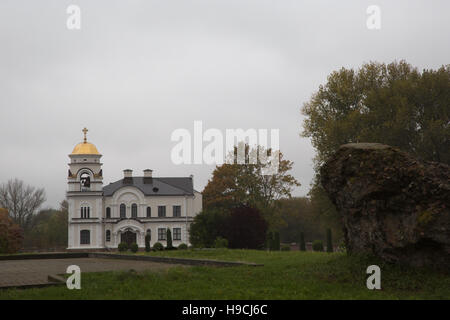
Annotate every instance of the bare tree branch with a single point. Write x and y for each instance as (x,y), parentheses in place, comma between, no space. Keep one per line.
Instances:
(21,201)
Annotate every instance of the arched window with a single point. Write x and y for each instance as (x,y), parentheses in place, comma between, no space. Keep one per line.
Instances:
(134,210)
(108,212)
(85,181)
(123,211)
(108,235)
(149,212)
(85,237)
(85,212)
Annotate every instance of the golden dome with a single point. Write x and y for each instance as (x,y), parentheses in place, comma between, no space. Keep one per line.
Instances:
(85,148)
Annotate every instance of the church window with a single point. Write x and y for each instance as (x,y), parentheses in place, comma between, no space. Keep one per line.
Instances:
(176,233)
(149,212)
(123,209)
(108,212)
(108,235)
(161,211)
(85,212)
(177,211)
(161,233)
(85,237)
(134,210)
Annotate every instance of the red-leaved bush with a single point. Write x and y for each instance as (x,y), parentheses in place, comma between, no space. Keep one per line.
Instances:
(246,229)
(11,234)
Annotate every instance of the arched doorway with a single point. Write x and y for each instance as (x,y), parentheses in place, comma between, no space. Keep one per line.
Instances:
(128,237)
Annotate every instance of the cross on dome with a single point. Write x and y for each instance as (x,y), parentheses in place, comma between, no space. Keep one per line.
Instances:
(85,130)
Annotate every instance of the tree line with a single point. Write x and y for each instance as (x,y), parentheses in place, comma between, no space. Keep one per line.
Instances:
(393,104)
(247,208)
(23,226)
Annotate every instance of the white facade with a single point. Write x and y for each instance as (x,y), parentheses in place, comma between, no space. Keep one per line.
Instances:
(96,220)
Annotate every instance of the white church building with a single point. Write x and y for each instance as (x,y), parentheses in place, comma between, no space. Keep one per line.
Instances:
(100,217)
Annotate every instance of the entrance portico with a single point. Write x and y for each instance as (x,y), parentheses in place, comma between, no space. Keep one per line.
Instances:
(129,231)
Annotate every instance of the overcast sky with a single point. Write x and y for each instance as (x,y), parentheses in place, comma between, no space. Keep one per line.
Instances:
(138,70)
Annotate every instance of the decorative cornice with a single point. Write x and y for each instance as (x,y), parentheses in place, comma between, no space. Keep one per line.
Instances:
(84,193)
(146,220)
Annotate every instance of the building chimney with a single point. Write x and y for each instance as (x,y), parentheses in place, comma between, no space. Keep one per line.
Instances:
(127,173)
(148,173)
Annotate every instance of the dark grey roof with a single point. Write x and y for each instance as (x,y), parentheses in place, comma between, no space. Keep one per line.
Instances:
(153,186)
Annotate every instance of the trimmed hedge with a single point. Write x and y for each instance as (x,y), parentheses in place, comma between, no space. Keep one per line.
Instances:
(123,246)
(147,243)
(169,239)
(134,247)
(302,244)
(317,245)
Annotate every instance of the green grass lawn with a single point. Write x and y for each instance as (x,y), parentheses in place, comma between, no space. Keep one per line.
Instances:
(285,275)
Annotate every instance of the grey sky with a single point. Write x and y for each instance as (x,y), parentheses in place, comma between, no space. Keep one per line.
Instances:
(137,70)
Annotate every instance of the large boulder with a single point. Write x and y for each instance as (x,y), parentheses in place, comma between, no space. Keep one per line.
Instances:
(391,204)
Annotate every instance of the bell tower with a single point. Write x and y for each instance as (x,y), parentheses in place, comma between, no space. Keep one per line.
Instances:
(85,196)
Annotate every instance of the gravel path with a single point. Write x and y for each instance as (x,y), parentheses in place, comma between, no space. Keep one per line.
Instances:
(34,272)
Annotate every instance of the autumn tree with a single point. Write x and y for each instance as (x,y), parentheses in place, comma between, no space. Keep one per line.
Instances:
(394,104)
(21,201)
(11,234)
(235,185)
